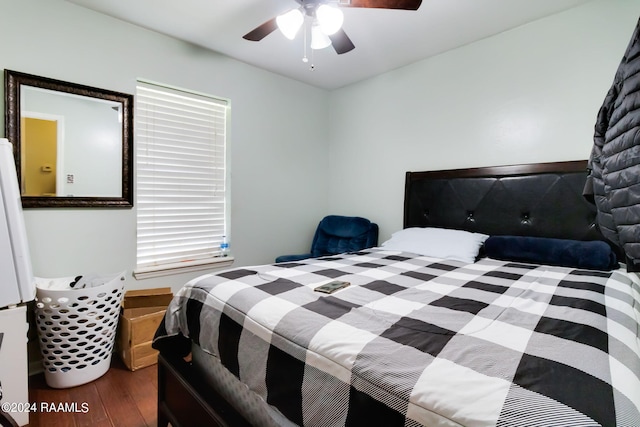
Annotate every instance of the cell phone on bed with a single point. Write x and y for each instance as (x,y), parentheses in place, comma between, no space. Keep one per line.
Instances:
(331,287)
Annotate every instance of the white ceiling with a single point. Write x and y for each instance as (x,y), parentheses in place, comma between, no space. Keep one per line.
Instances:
(384,39)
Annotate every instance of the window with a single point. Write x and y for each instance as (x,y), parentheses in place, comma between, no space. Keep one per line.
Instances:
(181,170)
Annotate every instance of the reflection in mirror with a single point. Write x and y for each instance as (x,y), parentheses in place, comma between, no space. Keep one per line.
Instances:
(67,141)
(74,142)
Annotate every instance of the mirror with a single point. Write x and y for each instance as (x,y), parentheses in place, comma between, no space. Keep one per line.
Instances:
(73,144)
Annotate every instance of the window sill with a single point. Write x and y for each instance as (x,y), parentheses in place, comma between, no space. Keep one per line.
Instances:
(182,267)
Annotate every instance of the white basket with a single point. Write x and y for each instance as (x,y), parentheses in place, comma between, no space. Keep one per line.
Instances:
(77,330)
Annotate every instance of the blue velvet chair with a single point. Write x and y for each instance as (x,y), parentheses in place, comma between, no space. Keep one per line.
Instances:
(339,234)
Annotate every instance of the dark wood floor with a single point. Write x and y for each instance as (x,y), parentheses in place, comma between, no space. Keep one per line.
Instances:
(120,398)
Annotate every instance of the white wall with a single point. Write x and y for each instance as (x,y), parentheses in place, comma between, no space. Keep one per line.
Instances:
(276,151)
(524,96)
(528,95)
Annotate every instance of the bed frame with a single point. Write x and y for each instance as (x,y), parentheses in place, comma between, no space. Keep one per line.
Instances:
(185,399)
(532,200)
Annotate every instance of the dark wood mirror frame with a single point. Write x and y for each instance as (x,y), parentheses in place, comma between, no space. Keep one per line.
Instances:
(13,81)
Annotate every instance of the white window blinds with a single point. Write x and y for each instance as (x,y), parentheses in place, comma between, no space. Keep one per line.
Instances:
(181,174)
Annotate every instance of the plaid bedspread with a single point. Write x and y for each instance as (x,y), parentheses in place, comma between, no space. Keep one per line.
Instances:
(422,341)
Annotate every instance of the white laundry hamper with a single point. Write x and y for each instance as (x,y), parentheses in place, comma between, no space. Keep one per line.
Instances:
(77,329)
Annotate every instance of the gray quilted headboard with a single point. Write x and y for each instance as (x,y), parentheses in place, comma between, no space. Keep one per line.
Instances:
(542,200)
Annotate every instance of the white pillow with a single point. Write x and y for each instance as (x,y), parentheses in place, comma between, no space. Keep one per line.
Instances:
(438,243)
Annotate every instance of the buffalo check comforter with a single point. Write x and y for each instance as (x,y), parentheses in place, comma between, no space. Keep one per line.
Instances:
(422,341)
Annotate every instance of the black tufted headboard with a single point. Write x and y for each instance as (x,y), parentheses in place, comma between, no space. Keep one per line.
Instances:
(542,200)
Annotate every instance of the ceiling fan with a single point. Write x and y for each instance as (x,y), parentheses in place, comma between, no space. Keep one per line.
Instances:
(326,21)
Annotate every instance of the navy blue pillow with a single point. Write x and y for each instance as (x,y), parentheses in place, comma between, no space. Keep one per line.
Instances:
(592,255)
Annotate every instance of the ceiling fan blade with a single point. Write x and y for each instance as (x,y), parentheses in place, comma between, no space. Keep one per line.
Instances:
(341,42)
(261,31)
(384,4)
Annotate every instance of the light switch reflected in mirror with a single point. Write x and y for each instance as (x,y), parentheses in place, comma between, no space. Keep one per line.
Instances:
(74,142)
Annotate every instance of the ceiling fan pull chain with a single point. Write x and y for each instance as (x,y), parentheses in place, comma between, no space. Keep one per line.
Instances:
(304,58)
(306,29)
(312,67)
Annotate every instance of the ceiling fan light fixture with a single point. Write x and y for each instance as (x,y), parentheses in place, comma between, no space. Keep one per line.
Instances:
(319,40)
(289,23)
(330,18)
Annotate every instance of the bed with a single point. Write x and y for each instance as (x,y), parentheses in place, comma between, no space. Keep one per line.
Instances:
(462,332)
